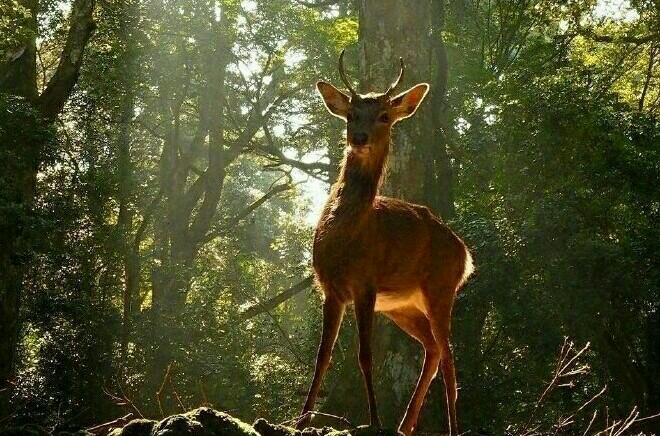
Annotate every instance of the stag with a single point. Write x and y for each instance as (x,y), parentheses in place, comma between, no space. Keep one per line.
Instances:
(383,254)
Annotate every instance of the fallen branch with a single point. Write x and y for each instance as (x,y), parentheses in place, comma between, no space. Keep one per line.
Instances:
(311,414)
(119,422)
(620,427)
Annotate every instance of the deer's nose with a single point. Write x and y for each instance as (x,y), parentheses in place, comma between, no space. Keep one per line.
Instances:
(360,138)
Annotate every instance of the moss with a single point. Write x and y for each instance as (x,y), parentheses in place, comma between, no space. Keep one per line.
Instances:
(265,428)
(313,431)
(202,422)
(208,422)
(137,427)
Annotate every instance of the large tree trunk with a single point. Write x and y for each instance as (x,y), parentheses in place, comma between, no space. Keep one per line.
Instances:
(18,78)
(419,168)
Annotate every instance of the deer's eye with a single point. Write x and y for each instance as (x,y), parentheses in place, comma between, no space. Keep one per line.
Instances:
(384,118)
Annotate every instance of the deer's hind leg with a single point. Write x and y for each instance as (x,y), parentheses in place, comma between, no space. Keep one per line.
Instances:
(415,323)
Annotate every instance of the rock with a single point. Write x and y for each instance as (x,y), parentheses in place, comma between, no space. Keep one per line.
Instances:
(313,431)
(221,423)
(136,427)
(265,428)
(199,422)
(208,422)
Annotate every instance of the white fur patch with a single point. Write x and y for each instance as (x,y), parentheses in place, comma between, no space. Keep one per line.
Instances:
(388,301)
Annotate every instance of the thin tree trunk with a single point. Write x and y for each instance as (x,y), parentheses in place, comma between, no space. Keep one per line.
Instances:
(18,78)
(130,258)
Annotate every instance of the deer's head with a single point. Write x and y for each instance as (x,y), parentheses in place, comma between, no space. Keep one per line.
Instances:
(370,117)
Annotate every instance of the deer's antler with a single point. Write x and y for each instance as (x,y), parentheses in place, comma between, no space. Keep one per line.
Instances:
(398,79)
(342,74)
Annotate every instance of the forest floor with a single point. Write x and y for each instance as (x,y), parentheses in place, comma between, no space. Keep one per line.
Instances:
(203,421)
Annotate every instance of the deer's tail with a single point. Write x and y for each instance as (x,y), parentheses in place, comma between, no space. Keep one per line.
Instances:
(468,267)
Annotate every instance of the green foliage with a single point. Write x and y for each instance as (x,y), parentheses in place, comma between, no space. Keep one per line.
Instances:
(13,20)
(26,142)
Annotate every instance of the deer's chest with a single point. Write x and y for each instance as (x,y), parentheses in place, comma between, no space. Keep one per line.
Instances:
(342,252)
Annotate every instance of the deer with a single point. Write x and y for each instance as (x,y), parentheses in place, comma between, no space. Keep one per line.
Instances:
(383,254)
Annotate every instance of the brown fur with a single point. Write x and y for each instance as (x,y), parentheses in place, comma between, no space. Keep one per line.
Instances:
(384,254)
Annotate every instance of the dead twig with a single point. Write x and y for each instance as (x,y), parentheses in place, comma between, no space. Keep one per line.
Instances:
(160,391)
(167,380)
(593,418)
(311,414)
(565,422)
(119,422)
(124,400)
(621,427)
(566,368)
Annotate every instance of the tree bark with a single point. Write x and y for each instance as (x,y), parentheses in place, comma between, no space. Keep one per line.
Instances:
(129,251)
(419,169)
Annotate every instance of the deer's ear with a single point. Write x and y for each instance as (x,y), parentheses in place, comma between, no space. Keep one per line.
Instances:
(406,103)
(336,101)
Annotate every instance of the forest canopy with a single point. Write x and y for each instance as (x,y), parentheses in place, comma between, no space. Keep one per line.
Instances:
(163,165)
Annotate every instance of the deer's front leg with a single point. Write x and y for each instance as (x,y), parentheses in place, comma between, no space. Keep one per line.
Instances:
(364,314)
(333,313)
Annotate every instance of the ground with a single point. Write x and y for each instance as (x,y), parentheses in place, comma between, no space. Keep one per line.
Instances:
(203,421)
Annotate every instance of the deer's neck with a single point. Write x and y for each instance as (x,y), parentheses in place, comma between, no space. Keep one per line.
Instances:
(357,186)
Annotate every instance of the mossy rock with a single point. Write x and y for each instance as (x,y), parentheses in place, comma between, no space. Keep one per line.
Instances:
(199,422)
(137,427)
(313,431)
(220,424)
(265,428)
(208,422)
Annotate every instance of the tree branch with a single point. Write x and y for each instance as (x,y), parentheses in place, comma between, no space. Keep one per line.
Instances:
(625,39)
(317,4)
(52,100)
(280,298)
(247,211)
(275,153)
(647,80)
(145,220)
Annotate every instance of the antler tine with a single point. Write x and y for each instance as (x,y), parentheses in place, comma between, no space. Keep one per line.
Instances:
(342,73)
(398,79)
